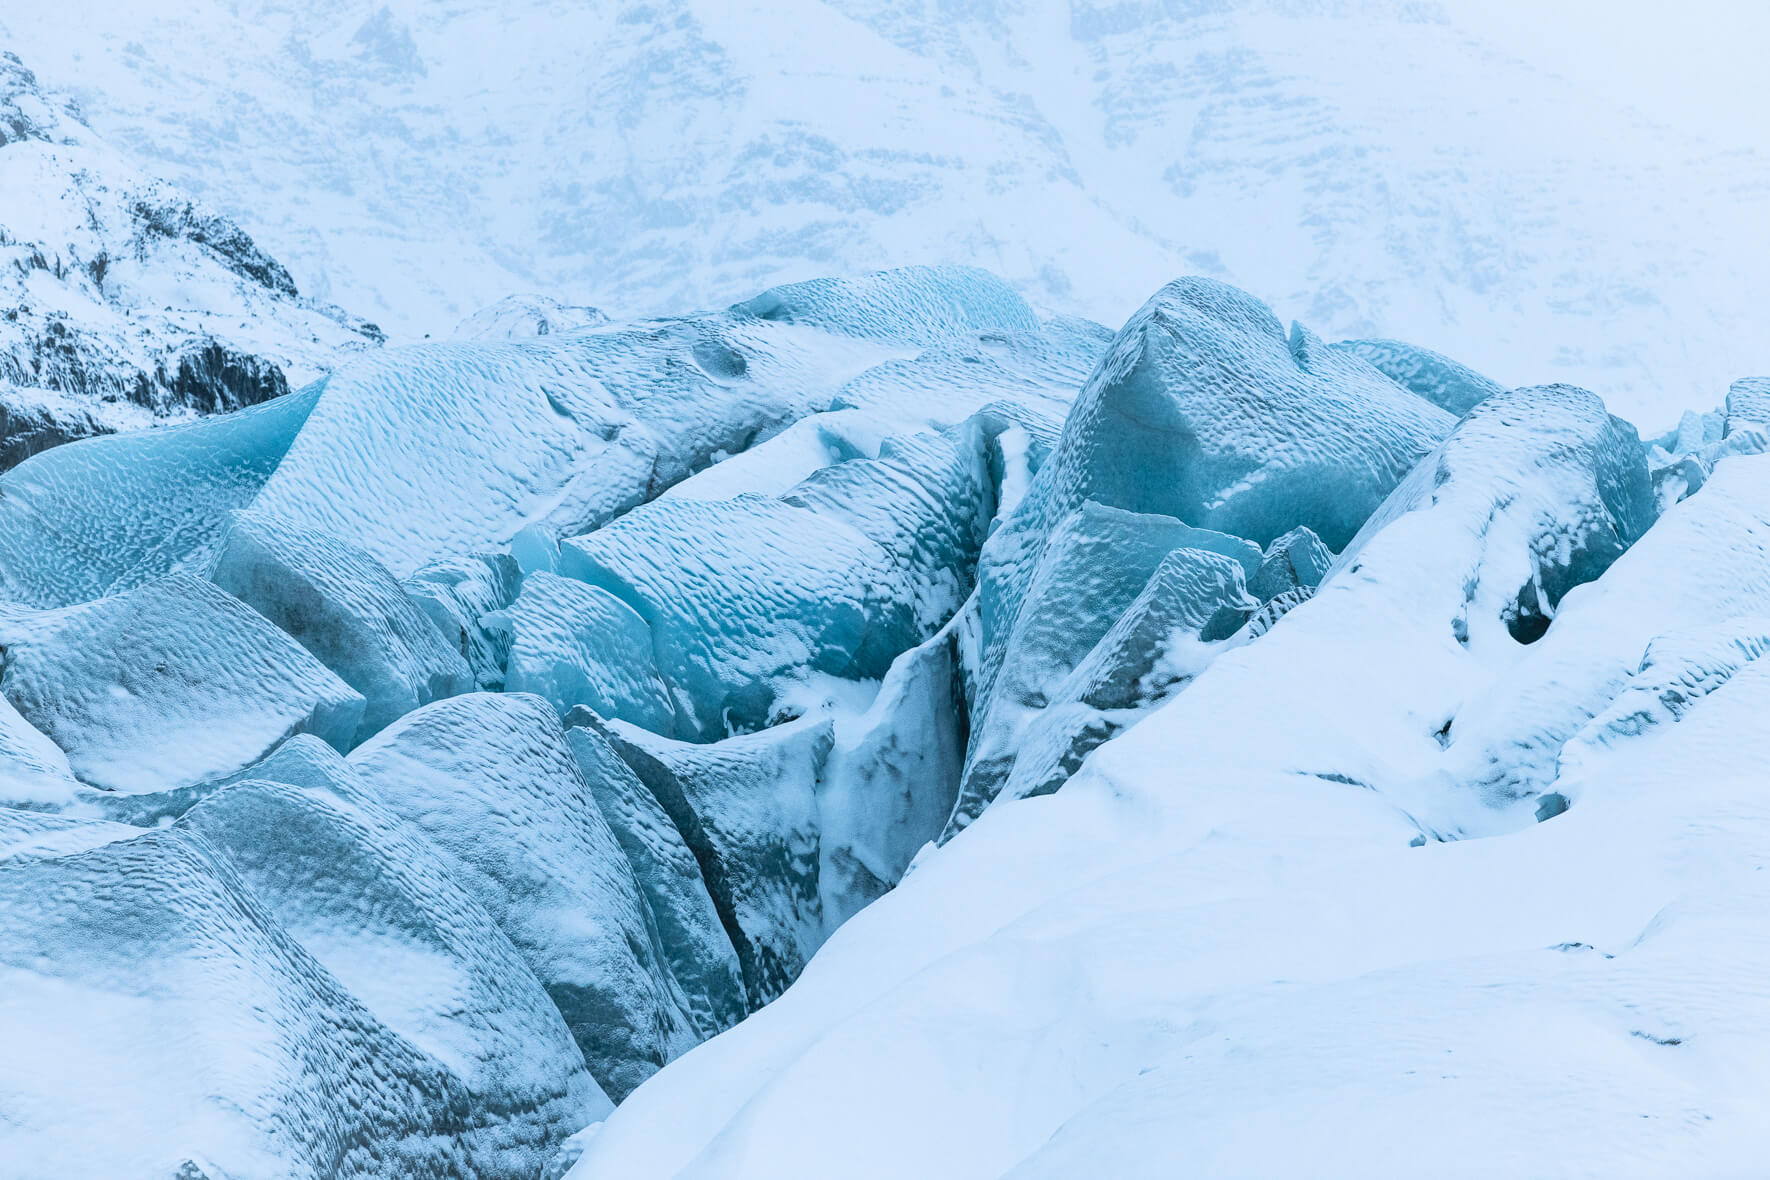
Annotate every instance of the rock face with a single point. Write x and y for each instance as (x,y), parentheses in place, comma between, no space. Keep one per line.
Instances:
(125,302)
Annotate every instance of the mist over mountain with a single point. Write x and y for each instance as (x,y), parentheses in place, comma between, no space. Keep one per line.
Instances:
(1567,196)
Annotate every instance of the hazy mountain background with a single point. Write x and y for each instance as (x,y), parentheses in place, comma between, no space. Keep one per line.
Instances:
(1575,195)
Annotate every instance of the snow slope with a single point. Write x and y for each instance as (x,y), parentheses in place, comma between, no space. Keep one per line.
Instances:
(1575,195)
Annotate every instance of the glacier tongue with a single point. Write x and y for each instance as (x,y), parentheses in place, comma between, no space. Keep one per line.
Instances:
(960,718)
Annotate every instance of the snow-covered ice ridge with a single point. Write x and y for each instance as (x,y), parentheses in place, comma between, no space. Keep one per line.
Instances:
(124,301)
(876,730)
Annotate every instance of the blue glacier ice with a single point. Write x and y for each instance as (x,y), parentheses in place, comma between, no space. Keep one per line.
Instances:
(380,908)
(1091,570)
(747,807)
(456,594)
(490,779)
(345,608)
(695,942)
(1296,559)
(106,514)
(919,304)
(574,644)
(167,684)
(1443,382)
(146,990)
(440,449)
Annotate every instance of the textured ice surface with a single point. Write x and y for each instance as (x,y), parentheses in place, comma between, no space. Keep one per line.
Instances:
(1748,401)
(344,607)
(1203,410)
(1434,376)
(1296,559)
(155,1013)
(374,902)
(33,769)
(1095,564)
(167,684)
(920,304)
(747,806)
(743,594)
(695,943)
(853,565)
(444,448)
(1038,371)
(105,514)
(490,779)
(574,644)
(456,593)
(1223,904)
(892,776)
(1168,635)
(927,500)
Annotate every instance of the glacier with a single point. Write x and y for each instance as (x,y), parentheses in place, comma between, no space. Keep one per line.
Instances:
(879,728)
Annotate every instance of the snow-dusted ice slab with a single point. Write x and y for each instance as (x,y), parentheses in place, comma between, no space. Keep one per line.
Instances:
(375,903)
(439,449)
(490,780)
(919,304)
(1095,563)
(106,514)
(748,808)
(167,684)
(341,605)
(574,644)
(156,1014)
(695,942)
(742,595)
(1204,410)
(456,594)
(1443,382)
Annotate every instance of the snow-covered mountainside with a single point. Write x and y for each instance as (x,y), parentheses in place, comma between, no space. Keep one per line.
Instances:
(876,730)
(1572,192)
(123,300)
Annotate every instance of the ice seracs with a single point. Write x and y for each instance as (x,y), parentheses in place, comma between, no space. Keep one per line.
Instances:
(958,712)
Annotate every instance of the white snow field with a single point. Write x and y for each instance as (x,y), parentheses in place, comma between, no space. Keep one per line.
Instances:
(1567,192)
